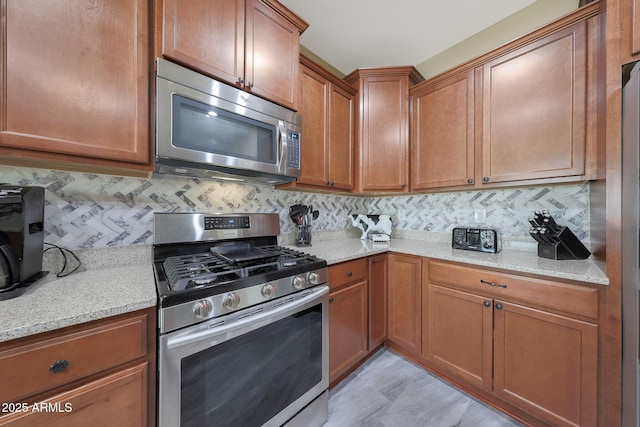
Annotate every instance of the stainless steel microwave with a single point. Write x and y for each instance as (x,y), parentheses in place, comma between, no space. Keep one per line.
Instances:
(205,128)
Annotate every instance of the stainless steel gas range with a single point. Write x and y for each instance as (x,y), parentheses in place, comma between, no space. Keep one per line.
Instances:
(243,324)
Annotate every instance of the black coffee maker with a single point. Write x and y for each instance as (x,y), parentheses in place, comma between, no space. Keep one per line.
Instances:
(21,238)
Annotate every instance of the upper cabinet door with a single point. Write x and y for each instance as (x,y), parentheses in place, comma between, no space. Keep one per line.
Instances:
(341,138)
(272,54)
(443,135)
(314,103)
(534,109)
(385,147)
(253,44)
(75,79)
(206,34)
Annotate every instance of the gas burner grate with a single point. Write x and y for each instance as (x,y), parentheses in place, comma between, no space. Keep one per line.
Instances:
(218,266)
(199,270)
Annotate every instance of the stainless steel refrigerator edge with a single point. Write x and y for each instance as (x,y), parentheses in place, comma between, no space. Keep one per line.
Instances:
(630,251)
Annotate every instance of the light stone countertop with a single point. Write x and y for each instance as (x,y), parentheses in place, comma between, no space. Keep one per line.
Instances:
(116,282)
(519,261)
(120,279)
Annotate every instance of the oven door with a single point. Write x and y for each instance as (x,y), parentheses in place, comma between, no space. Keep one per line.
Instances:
(259,366)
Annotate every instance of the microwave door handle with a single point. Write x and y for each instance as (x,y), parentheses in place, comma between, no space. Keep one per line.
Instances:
(282,134)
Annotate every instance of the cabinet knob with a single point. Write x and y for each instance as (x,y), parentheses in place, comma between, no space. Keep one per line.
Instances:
(58,366)
(470,181)
(240,81)
(328,183)
(250,85)
(486,304)
(373,261)
(403,185)
(485,179)
(350,273)
(330,300)
(499,306)
(332,183)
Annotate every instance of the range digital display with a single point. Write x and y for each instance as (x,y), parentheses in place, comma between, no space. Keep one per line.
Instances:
(226,222)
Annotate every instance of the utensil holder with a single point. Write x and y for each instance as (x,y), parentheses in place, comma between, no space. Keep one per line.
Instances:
(303,235)
(567,247)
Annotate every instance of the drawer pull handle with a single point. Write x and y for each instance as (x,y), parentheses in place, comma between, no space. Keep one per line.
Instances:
(497,285)
(58,366)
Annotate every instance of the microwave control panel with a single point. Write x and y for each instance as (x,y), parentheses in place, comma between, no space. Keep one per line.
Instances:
(293,146)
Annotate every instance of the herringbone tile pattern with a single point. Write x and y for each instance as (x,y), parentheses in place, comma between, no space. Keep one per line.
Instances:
(91,210)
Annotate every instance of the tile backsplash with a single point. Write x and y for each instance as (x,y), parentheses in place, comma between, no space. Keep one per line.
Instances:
(85,210)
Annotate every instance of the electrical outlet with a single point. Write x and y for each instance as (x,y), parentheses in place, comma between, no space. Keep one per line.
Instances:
(480,216)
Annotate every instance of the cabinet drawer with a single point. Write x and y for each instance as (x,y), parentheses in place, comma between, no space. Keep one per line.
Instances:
(118,399)
(38,365)
(574,299)
(347,272)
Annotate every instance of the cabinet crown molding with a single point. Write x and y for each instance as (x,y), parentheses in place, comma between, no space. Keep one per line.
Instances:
(408,70)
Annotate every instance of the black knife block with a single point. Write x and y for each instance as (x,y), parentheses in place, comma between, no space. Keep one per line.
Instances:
(567,247)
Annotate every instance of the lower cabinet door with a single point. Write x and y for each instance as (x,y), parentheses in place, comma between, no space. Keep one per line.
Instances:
(378,267)
(546,364)
(119,399)
(404,295)
(460,334)
(347,328)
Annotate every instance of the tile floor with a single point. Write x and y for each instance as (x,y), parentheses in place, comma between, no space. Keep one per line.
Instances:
(390,391)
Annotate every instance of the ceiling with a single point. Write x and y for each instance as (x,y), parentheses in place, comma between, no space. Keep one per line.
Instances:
(369,33)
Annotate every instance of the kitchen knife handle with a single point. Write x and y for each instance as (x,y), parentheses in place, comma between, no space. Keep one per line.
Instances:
(534,233)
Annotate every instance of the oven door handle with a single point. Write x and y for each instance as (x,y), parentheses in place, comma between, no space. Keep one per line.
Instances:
(214,335)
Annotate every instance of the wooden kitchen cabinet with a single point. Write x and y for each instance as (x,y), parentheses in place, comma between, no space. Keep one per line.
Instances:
(531,342)
(443,133)
(405,303)
(534,108)
(253,44)
(348,316)
(76,83)
(460,334)
(327,106)
(101,370)
(633,28)
(120,398)
(546,364)
(378,273)
(382,134)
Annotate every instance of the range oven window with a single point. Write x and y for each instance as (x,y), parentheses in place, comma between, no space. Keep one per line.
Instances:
(208,129)
(249,379)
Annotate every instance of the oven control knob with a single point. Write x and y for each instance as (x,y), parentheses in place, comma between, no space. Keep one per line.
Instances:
(231,301)
(298,282)
(314,278)
(268,290)
(202,309)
